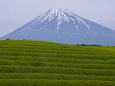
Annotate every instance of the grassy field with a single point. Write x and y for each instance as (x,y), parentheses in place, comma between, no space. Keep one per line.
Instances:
(38,63)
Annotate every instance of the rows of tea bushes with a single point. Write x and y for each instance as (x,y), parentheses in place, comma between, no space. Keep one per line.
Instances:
(39,63)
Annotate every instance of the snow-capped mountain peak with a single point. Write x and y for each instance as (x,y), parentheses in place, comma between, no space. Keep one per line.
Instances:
(63,26)
(61,16)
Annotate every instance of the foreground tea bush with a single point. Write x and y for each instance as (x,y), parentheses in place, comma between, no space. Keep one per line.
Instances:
(38,63)
(43,82)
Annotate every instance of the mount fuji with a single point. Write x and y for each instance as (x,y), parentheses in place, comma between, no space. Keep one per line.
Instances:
(63,26)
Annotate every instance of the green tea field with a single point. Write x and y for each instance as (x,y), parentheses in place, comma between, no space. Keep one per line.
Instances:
(38,63)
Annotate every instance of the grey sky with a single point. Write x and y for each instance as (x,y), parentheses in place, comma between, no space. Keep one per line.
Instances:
(15,13)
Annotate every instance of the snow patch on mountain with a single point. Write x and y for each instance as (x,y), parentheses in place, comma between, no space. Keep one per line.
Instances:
(62,16)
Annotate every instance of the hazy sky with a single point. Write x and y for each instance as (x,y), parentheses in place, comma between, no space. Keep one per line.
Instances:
(15,13)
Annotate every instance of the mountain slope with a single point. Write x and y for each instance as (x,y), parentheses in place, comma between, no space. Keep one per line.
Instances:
(63,26)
